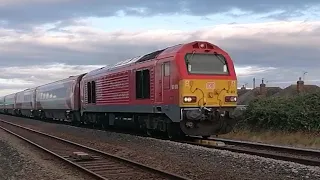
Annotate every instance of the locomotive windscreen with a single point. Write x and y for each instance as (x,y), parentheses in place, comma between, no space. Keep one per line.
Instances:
(206,64)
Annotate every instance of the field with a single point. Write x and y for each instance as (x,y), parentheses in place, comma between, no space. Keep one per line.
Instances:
(296,139)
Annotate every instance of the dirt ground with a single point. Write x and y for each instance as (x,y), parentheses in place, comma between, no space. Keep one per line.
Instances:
(191,161)
(22,161)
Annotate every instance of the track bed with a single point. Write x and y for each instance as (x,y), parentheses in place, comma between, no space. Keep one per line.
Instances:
(94,162)
(191,161)
(297,155)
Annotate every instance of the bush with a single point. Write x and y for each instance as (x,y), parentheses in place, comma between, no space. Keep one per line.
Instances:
(298,113)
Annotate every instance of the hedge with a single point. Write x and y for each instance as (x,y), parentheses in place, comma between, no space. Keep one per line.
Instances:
(298,113)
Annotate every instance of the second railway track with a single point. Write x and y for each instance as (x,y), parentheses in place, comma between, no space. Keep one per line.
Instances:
(96,163)
(298,155)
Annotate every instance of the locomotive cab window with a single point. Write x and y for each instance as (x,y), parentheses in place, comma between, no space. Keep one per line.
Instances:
(166,69)
(206,64)
(143,84)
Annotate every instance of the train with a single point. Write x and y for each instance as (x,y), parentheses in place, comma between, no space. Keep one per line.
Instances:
(188,89)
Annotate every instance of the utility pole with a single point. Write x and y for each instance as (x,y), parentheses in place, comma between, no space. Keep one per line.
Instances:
(254,83)
(304,75)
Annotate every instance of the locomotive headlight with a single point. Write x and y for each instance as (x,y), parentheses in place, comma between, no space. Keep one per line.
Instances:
(231,99)
(189,99)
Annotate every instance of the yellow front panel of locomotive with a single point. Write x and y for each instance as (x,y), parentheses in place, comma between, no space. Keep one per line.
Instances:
(204,92)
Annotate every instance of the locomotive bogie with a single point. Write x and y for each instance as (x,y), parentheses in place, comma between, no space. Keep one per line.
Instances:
(143,122)
(207,121)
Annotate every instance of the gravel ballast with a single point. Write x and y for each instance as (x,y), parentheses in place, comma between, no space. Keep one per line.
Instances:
(192,161)
(20,160)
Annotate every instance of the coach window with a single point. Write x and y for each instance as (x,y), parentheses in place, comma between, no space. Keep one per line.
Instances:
(167,69)
(93,91)
(89,92)
(143,84)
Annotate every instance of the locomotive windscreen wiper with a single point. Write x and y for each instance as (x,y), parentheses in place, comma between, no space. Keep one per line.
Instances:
(221,60)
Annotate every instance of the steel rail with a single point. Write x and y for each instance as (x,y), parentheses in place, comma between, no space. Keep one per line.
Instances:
(285,153)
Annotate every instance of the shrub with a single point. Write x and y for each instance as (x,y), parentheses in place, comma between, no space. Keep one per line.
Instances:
(298,113)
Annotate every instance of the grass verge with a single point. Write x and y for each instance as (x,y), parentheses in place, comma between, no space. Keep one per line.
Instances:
(294,139)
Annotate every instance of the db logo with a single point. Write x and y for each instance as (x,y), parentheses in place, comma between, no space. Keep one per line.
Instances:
(210,85)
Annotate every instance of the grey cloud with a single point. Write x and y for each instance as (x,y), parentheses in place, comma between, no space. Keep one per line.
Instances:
(285,15)
(24,14)
(22,77)
(67,22)
(299,52)
(14,86)
(274,55)
(283,77)
(244,51)
(35,54)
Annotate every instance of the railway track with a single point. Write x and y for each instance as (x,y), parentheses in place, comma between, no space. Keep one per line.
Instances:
(98,164)
(298,155)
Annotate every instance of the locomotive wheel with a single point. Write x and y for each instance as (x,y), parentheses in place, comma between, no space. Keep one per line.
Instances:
(173,131)
(104,126)
(42,116)
(171,135)
(76,123)
(205,137)
(149,132)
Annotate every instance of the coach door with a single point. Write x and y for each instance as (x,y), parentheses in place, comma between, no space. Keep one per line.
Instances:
(166,76)
(159,83)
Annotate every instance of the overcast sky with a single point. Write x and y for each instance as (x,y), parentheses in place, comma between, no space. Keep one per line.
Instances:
(46,40)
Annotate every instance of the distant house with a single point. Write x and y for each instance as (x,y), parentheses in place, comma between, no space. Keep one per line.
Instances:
(293,90)
(242,91)
(250,95)
(263,91)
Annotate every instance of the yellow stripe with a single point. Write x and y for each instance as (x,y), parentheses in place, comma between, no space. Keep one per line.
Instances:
(209,92)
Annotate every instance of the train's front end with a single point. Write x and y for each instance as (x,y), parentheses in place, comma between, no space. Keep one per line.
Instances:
(208,90)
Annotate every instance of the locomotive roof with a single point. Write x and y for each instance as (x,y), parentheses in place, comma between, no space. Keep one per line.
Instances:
(134,60)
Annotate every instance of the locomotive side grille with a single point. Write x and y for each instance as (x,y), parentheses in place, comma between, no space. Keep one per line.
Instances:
(113,88)
(86,92)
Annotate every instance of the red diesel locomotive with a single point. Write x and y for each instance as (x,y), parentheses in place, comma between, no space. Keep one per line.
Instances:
(187,89)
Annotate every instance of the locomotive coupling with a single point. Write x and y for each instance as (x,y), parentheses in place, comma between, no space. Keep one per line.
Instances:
(202,114)
(194,114)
